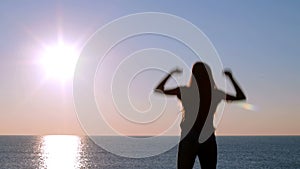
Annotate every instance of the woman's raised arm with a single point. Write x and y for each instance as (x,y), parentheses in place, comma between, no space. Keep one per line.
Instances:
(239,93)
(161,86)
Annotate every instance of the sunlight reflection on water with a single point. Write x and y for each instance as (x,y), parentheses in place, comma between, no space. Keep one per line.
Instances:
(61,152)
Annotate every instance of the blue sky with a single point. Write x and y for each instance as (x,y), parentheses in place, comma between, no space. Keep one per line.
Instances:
(258,40)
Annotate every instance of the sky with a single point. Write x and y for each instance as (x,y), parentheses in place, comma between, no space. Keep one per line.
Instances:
(257,40)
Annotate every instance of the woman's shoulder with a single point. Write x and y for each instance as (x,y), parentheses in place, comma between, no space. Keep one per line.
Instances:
(218,93)
(182,87)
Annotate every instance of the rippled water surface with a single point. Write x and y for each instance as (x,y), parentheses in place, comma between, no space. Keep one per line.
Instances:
(66,152)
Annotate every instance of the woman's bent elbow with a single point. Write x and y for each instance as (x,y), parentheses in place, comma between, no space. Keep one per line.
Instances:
(242,97)
(158,91)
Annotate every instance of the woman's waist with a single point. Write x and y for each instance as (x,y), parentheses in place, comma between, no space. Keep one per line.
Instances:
(194,136)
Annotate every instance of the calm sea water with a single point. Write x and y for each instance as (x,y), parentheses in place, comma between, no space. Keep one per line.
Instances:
(63,152)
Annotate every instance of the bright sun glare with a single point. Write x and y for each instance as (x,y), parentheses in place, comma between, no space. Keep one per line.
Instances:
(59,151)
(59,61)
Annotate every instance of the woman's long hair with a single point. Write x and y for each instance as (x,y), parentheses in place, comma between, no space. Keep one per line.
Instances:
(203,82)
(202,76)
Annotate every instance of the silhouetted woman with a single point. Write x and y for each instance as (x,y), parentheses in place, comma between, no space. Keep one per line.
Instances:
(199,100)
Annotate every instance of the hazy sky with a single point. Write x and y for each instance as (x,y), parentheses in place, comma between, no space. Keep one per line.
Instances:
(258,40)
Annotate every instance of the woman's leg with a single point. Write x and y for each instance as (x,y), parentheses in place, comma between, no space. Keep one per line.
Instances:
(187,153)
(207,153)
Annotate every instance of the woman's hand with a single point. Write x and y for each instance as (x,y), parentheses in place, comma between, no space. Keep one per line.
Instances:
(177,70)
(227,72)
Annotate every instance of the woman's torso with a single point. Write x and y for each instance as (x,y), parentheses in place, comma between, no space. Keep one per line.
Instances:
(199,109)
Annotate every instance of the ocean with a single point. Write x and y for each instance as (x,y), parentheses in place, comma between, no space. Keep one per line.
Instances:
(66,152)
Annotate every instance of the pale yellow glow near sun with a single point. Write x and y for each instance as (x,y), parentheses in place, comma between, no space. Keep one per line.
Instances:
(59,61)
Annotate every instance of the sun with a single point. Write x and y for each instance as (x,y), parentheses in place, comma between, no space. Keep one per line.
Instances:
(59,61)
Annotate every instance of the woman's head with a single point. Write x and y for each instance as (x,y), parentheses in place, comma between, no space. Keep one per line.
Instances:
(202,75)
